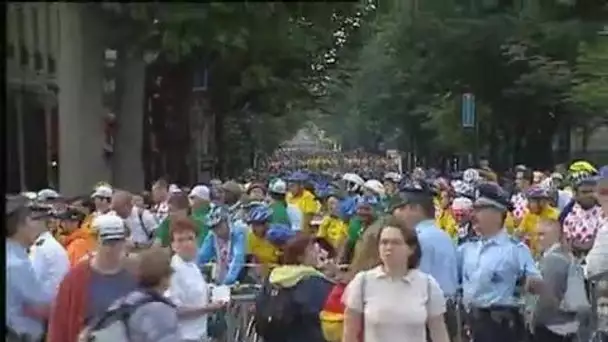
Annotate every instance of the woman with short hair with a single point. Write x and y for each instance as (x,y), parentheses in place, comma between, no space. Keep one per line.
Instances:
(371,310)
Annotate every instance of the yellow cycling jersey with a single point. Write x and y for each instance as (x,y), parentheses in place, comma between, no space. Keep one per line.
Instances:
(334,230)
(264,251)
(529,225)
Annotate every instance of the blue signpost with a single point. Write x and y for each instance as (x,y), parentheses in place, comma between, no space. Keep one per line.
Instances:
(469,121)
(468,110)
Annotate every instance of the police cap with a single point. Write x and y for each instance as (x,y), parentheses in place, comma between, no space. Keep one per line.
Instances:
(412,192)
(71,214)
(14,203)
(491,195)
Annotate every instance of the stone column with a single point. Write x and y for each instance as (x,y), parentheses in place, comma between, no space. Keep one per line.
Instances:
(127,158)
(80,75)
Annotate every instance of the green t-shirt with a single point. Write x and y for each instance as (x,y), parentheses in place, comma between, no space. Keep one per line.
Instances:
(355,229)
(162,232)
(279,213)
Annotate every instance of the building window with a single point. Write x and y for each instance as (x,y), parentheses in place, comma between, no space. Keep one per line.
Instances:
(25,55)
(10,51)
(51,63)
(37,61)
(35,26)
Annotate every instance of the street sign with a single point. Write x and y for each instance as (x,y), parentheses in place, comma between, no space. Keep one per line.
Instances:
(468,110)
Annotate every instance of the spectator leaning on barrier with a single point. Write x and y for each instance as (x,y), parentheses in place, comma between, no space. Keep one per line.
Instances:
(23,289)
(226,243)
(94,284)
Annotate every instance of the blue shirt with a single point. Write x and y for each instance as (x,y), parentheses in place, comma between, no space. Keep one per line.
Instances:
(238,250)
(490,269)
(439,257)
(22,289)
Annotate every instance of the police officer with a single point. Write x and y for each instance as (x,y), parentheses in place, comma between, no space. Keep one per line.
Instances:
(415,207)
(26,302)
(490,268)
(50,259)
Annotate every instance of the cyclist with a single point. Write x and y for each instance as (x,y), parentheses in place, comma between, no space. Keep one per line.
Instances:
(582,217)
(302,198)
(332,228)
(263,251)
(225,243)
(539,206)
(283,212)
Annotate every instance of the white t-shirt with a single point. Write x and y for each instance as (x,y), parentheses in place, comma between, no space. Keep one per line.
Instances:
(50,262)
(189,289)
(138,233)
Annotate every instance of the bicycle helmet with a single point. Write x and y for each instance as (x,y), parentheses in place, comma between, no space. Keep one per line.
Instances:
(353,181)
(537,192)
(297,176)
(582,166)
(375,186)
(279,234)
(216,215)
(259,214)
(471,176)
(392,176)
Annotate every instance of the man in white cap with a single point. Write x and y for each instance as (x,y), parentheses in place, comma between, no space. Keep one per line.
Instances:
(102,198)
(92,285)
(282,212)
(200,201)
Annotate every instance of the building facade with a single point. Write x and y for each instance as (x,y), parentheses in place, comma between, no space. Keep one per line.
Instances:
(57,118)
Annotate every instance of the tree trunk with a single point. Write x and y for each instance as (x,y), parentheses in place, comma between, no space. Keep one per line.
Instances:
(128,148)
(81,134)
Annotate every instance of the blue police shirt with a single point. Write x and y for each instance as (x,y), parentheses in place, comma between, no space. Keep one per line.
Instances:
(439,256)
(22,289)
(490,267)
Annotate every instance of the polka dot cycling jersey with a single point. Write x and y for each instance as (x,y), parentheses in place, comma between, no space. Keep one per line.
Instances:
(581,225)
(520,205)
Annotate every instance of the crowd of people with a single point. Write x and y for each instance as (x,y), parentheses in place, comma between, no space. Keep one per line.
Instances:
(329,161)
(401,257)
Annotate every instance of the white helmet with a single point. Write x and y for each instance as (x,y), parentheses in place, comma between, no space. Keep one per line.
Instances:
(393,177)
(375,186)
(354,182)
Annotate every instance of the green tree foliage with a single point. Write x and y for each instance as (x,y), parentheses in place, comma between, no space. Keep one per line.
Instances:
(267,62)
(521,60)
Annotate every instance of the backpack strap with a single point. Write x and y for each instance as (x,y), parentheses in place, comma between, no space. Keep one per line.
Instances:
(140,216)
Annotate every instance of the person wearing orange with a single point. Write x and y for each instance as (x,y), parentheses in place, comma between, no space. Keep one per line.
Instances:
(80,239)
(539,207)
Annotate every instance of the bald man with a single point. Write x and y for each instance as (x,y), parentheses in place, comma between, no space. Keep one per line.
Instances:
(141,222)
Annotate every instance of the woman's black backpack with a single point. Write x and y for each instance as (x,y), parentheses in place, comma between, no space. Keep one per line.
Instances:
(275,312)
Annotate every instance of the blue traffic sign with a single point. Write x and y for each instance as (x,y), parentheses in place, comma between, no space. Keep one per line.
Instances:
(468,110)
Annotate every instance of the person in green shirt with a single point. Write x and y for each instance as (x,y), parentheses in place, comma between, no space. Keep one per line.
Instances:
(277,192)
(179,206)
(366,215)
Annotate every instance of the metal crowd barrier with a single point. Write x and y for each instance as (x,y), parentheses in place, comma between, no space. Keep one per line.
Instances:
(598,293)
